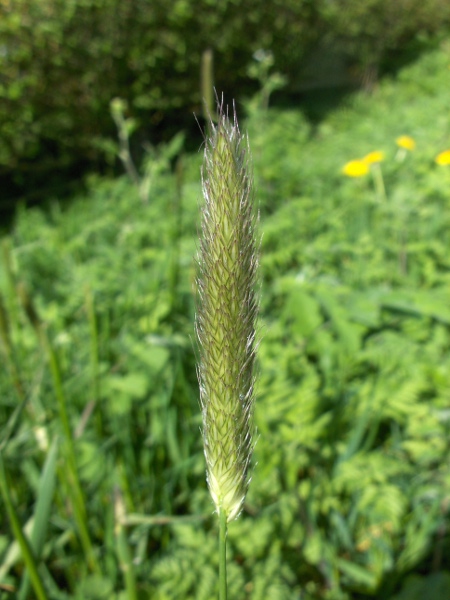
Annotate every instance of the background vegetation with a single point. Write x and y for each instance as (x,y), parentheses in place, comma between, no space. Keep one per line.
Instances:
(100,451)
(65,60)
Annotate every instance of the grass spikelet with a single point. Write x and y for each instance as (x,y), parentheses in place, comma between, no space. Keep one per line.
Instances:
(227,311)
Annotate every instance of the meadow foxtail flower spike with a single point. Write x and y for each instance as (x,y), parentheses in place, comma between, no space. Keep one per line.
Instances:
(226,312)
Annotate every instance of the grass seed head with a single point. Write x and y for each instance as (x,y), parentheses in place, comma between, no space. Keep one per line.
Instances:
(227,311)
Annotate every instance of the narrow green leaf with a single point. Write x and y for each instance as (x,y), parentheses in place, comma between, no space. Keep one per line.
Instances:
(25,547)
(42,512)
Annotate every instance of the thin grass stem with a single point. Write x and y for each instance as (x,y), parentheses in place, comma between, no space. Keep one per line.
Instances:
(25,547)
(70,473)
(11,297)
(41,513)
(222,555)
(94,355)
(380,189)
(124,553)
(207,84)
(7,348)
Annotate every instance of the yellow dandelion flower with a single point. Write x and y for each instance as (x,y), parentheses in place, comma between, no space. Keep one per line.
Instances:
(443,158)
(406,142)
(373,157)
(355,168)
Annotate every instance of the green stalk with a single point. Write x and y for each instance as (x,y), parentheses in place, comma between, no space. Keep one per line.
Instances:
(123,549)
(11,298)
(93,330)
(176,233)
(222,555)
(225,321)
(207,83)
(74,485)
(8,351)
(94,354)
(124,129)
(25,547)
(70,472)
(42,512)
(378,180)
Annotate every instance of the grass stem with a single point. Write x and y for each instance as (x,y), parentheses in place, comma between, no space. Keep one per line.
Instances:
(70,473)
(24,545)
(222,555)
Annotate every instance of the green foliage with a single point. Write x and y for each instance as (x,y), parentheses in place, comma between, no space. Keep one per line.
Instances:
(349,498)
(65,60)
(374,31)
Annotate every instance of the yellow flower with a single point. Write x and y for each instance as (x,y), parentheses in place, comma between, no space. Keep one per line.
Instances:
(373,157)
(355,168)
(443,158)
(406,142)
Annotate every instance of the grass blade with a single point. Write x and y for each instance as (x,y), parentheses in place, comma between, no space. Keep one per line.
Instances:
(25,547)
(42,512)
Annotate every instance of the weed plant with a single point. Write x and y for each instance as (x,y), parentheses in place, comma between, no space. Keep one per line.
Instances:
(350,496)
